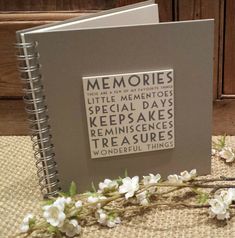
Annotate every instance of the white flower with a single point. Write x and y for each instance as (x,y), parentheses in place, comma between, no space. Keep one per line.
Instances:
(174,178)
(95,198)
(113,222)
(187,176)
(106,220)
(101,216)
(227,195)
(129,186)
(220,204)
(108,185)
(228,154)
(24,227)
(151,179)
(213,152)
(78,204)
(61,201)
(54,214)
(142,198)
(71,228)
(231,192)
(219,208)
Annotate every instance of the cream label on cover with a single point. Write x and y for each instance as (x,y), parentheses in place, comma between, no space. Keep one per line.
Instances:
(130,113)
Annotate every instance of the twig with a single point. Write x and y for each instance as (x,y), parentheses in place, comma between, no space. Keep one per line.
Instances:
(222,179)
(169,191)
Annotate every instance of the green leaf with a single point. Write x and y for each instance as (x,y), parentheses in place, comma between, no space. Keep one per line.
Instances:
(222,141)
(88,193)
(126,173)
(52,229)
(47,202)
(93,187)
(32,222)
(119,181)
(73,189)
(202,198)
(64,194)
(220,144)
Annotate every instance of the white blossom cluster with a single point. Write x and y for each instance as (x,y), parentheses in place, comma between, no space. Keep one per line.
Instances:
(57,215)
(219,205)
(106,219)
(184,176)
(130,187)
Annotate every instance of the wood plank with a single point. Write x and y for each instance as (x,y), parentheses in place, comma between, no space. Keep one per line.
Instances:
(221,51)
(229,49)
(55,5)
(42,16)
(165,8)
(197,9)
(10,85)
(13,119)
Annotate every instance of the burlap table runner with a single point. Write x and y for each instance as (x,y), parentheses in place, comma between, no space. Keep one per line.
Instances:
(20,194)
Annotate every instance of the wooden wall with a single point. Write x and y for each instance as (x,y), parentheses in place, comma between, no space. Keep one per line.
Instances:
(20,14)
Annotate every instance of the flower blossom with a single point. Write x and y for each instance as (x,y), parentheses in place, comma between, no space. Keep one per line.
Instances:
(219,208)
(62,201)
(184,176)
(107,220)
(228,154)
(220,204)
(151,179)
(231,193)
(214,152)
(174,178)
(78,204)
(228,196)
(142,198)
(71,228)
(54,214)
(108,185)
(24,227)
(129,186)
(187,176)
(94,198)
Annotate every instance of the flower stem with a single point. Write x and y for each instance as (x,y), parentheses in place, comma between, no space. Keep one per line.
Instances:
(186,185)
(222,179)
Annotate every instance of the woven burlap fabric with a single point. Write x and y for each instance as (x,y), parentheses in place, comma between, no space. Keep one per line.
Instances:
(20,194)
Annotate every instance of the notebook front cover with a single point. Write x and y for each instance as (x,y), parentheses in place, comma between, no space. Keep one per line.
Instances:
(135,98)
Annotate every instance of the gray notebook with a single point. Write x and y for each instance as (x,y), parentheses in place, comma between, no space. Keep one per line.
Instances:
(118,91)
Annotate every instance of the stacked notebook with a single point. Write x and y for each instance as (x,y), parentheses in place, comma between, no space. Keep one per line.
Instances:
(117,91)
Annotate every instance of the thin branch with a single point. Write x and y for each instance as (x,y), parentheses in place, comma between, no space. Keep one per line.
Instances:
(196,185)
(169,191)
(221,179)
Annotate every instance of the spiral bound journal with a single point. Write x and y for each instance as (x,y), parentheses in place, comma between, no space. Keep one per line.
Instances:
(117,91)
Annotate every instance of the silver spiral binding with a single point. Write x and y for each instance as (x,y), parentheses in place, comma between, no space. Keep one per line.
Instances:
(35,106)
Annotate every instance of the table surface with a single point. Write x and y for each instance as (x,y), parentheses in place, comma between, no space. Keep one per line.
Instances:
(20,194)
